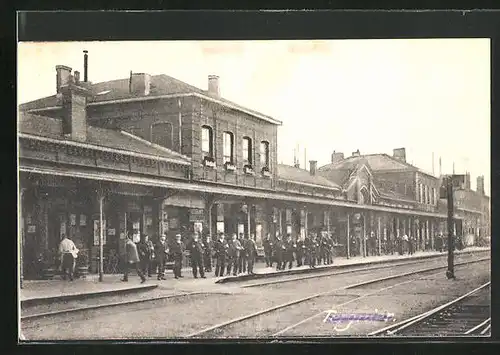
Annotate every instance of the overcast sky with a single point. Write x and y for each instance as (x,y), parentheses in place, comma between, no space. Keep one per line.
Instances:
(430,95)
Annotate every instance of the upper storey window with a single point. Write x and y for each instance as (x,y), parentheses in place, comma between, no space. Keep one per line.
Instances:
(247,150)
(162,134)
(228,148)
(207,147)
(264,154)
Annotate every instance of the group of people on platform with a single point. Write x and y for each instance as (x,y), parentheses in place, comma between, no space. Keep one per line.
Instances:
(235,254)
(402,244)
(312,250)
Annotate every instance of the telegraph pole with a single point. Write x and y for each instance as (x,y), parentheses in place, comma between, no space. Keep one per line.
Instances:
(450,274)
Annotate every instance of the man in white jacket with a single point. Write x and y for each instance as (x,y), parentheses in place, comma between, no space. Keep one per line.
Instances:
(69,253)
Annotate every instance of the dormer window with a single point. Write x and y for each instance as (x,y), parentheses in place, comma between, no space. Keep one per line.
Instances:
(207,142)
(247,151)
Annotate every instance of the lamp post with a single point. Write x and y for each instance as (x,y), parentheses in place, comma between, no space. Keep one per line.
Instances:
(450,182)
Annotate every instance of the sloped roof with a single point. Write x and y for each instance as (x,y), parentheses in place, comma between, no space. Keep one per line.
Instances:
(119,89)
(377,162)
(48,127)
(297,175)
(393,195)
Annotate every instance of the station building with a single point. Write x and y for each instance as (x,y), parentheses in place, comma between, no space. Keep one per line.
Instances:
(152,154)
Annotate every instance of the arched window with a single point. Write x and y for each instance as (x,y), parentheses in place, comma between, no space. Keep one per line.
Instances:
(264,154)
(247,150)
(207,142)
(228,148)
(162,134)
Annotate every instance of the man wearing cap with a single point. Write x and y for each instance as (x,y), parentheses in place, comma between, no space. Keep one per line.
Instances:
(251,253)
(234,255)
(177,250)
(268,250)
(207,256)
(243,259)
(290,247)
(162,256)
(221,248)
(196,252)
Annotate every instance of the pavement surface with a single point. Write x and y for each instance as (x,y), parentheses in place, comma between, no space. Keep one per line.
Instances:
(190,313)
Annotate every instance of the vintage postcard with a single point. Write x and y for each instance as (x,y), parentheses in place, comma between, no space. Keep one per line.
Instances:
(254,189)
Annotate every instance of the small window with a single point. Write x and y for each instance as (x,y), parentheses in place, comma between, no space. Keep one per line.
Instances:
(207,141)
(162,134)
(264,154)
(228,147)
(247,150)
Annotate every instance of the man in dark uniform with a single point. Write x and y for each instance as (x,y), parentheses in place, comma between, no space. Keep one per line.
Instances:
(311,251)
(353,249)
(439,242)
(162,256)
(242,260)
(177,250)
(288,252)
(207,256)
(278,252)
(372,244)
(196,252)
(144,250)
(268,250)
(234,255)
(322,248)
(221,249)
(251,253)
(329,249)
(299,252)
(318,249)
(411,244)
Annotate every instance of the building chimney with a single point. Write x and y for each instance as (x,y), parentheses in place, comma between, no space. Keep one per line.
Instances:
(62,76)
(213,85)
(85,66)
(140,84)
(312,167)
(467,181)
(399,154)
(356,153)
(480,185)
(77,77)
(74,104)
(337,157)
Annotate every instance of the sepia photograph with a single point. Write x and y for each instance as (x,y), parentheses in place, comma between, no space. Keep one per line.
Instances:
(254,189)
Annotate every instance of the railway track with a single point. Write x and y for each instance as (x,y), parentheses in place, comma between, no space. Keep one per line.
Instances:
(467,315)
(326,273)
(219,328)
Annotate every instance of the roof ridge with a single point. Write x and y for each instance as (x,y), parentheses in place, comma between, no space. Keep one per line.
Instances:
(157,146)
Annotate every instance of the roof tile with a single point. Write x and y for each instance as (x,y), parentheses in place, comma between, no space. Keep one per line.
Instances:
(119,89)
(291,173)
(48,127)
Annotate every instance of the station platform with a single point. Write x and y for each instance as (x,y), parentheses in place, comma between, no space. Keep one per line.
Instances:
(58,290)
(339,263)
